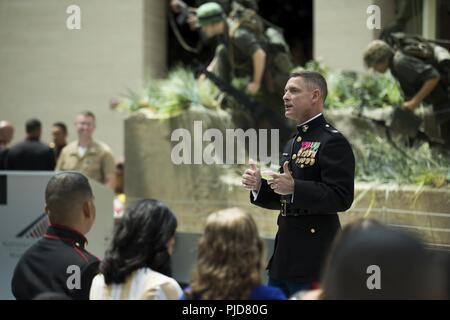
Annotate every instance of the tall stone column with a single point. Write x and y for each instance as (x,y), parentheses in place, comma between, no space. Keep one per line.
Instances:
(155,38)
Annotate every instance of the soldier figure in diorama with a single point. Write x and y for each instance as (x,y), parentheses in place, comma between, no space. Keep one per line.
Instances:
(421,79)
(178,6)
(249,50)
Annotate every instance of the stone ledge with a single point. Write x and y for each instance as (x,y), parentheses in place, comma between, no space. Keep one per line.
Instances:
(194,191)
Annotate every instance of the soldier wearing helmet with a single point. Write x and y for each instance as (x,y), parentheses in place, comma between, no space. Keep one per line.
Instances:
(419,80)
(245,52)
(243,55)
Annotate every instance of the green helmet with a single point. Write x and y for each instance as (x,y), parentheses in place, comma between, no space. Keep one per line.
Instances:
(209,13)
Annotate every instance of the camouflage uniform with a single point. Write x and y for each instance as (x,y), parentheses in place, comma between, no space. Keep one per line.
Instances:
(411,74)
(234,59)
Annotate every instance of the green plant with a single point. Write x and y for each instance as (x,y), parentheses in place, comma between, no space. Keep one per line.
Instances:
(350,89)
(316,65)
(172,95)
(380,160)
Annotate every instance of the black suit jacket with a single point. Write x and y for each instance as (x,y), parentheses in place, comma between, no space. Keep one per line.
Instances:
(323,167)
(30,155)
(45,266)
(3,154)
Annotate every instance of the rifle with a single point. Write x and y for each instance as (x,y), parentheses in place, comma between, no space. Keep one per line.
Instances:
(256,109)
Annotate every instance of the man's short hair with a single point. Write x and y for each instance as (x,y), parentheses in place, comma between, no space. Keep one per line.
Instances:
(32,125)
(376,52)
(313,80)
(62,126)
(65,193)
(87,113)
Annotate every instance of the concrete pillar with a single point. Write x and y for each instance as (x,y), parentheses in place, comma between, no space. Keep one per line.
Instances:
(341,33)
(429,19)
(51,73)
(155,38)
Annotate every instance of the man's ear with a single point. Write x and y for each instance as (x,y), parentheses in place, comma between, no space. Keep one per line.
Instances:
(316,95)
(87,210)
(46,210)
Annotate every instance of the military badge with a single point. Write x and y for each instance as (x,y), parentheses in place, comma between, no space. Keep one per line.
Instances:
(306,156)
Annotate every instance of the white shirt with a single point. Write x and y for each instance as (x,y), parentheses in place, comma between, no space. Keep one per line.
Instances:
(316,116)
(143,284)
(82,151)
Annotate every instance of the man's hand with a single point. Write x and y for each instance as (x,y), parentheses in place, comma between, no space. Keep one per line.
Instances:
(251,179)
(410,105)
(253,88)
(283,183)
(176,5)
(192,21)
(424,92)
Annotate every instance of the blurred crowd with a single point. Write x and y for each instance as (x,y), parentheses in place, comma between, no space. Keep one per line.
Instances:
(368,260)
(86,154)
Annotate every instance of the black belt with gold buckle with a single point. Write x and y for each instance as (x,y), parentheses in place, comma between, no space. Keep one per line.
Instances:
(283,211)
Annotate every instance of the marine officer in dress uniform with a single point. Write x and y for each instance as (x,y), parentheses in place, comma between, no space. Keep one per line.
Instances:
(59,263)
(316,181)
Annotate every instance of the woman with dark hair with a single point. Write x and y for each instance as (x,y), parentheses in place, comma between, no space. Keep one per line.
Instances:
(137,263)
(370,260)
(230,260)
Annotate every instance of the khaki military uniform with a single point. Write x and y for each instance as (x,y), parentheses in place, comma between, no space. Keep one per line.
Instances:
(97,163)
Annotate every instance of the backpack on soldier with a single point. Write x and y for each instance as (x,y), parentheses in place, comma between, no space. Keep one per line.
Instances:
(242,17)
(420,48)
(411,45)
(268,34)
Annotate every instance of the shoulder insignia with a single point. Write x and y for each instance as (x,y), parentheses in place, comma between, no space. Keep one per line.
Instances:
(331,129)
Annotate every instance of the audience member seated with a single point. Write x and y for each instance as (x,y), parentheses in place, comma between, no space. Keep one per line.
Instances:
(230,261)
(58,262)
(443,258)
(137,265)
(6,135)
(31,154)
(369,260)
(51,296)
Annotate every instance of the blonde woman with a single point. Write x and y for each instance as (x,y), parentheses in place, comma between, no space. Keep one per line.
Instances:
(230,261)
